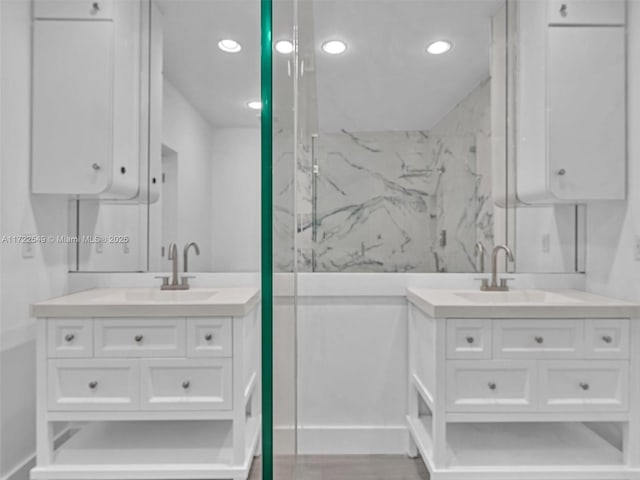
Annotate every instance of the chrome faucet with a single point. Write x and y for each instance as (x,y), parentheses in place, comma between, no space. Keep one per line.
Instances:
(174,285)
(494,287)
(186,254)
(479,252)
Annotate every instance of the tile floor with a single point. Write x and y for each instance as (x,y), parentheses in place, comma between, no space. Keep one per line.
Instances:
(344,467)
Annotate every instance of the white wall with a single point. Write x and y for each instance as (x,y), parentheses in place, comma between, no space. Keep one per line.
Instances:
(186,132)
(235,199)
(24,280)
(612,227)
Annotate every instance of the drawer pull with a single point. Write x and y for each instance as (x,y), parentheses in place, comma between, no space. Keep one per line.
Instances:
(208,337)
(469,339)
(563,10)
(539,339)
(607,339)
(584,386)
(93,385)
(138,338)
(186,384)
(69,337)
(492,386)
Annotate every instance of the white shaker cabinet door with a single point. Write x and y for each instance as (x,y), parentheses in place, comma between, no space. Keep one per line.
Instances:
(72,106)
(586,113)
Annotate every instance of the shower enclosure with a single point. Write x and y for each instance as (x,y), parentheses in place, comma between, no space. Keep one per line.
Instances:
(380,159)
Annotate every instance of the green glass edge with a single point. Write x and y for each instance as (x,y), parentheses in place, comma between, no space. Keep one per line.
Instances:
(266,123)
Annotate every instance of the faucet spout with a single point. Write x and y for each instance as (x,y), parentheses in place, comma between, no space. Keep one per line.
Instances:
(186,254)
(494,269)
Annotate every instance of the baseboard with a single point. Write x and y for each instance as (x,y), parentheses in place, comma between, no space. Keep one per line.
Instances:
(21,471)
(342,440)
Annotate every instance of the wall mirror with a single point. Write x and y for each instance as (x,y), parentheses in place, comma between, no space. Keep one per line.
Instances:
(395,159)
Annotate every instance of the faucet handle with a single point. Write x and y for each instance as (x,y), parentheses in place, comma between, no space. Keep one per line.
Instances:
(165,279)
(185,279)
(484,283)
(503,283)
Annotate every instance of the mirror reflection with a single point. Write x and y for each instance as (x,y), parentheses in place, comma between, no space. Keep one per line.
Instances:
(397,154)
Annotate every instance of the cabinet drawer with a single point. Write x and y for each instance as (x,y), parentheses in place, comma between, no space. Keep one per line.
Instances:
(487,386)
(180,384)
(468,338)
(586,12)
(607,338)
(93,384)
(69,338)
(548,338)
(594,386)
(139,337)
(74,9)
(209,337)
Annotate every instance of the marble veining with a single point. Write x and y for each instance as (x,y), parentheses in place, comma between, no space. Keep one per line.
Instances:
(395,201)
(407,201)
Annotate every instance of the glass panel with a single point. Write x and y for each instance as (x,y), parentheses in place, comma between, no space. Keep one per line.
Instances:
(284,244)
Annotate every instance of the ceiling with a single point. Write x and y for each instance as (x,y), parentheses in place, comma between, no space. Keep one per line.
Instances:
(385,80)
(216,83)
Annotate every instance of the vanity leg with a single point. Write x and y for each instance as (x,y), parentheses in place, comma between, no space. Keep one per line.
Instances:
(439,440)
(412,448)
(239,421)
(631,429)
(412,393)
(44,443)
(44,428)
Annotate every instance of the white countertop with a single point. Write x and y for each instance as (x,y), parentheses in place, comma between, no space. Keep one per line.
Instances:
(538,303)
(150,302)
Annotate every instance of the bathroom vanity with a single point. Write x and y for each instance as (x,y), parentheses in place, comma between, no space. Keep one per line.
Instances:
(527,384)
(150,384)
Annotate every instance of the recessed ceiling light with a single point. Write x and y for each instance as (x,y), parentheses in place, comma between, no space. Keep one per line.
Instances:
(439,47)
(334,47)
(255,105)
(284,47)
(229,46)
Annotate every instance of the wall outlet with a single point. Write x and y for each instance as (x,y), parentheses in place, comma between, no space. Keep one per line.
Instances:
(28,250)
(546,243)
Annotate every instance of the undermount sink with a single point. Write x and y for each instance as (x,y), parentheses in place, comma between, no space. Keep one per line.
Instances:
(520,297)
(156,296)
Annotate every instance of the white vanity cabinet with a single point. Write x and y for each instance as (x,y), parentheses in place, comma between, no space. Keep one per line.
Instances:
(570,101)
(159,396)
(506,392)
(90,98)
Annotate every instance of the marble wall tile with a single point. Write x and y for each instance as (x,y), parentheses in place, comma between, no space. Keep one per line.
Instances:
(407,201)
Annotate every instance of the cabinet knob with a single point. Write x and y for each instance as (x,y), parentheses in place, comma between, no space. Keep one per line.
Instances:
(96,166)
(208,337)
(93,385)
(584,386)
(138,338)
(95,7)
(562,172)
(563,10)
(492,386)
(186,384)
(69,337)
(607,339)
(539,339)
